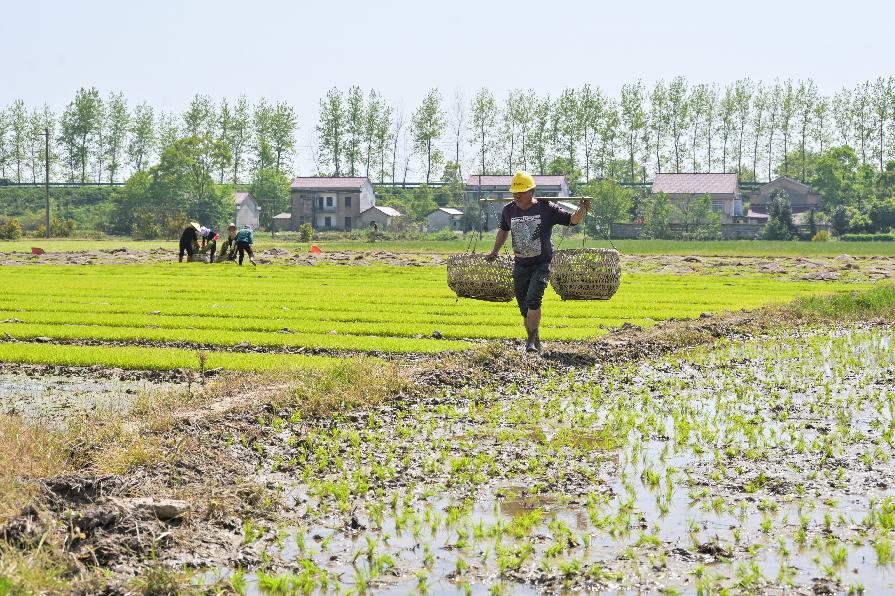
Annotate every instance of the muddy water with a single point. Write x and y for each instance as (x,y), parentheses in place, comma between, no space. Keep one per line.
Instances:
(759,466)
(53,399)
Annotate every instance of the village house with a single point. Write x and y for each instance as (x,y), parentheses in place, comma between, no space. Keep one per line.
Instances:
(383,217)
(721,187)
(281,222)
(498,187)
(246,211)
(330,203)
(445,218)
(800,196)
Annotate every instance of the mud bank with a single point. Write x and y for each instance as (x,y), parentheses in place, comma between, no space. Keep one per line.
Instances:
(762,464)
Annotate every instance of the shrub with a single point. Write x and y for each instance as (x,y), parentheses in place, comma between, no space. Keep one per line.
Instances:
(821,236)
(305,232)
(890,237)
(10,229)
(443,234)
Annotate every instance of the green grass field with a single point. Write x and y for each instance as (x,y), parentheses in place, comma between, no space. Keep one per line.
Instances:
(361,309)
(745,248)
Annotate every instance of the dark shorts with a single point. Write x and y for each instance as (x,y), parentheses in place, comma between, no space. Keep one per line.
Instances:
(186,248)
(530,282)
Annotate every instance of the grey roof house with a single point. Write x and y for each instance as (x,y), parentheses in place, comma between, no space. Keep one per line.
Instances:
(330,203)
(383,217)
(723,188)
(445,217)
(246,211)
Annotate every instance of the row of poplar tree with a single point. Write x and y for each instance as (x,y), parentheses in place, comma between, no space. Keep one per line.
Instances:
(754,128)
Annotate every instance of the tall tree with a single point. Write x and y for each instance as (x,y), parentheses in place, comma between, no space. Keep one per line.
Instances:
(399,125)
(225,134)
(142,137)
(4,141)
(483,122)
(883,103)
(633,121)
(697,103)
(283,124)
(821,123)
(80,126)
(35,143)
(18,115)
(608,132)
(710,114)
(117,123)
(843,116)
(567,126)
(592,107)
(861,119)
(240,136)
(760,108)
(371,123)
(354,127)
(199,120)
(457,118)
(806,98)
(773,122)
(727,117)
(540,133)
(331,130)
(428,124)
(678,117)
(787,112)
(742,93)
(658,120)
(262,128)
(168,131)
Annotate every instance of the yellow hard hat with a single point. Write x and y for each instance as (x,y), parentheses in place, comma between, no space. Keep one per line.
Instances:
(522,182)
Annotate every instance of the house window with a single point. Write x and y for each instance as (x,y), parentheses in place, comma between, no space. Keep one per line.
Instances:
(327,222)
(320,202)
(329,201)
(348,201)
(301,220)
(348,223)
(718,206)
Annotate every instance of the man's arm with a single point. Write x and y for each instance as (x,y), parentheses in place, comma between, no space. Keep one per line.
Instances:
(499,239)
(583,208)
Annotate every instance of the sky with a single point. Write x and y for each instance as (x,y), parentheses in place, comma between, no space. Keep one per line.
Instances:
(164,52)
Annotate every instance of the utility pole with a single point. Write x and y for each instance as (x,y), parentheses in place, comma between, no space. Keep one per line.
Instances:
(47,175)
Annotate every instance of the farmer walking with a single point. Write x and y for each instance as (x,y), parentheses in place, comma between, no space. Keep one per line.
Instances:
(189,242)
(244,241)
(531,224)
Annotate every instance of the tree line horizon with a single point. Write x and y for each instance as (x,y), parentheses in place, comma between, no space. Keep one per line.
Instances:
(755,129)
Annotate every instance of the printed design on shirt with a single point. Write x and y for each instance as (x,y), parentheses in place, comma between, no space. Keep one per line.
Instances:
(526,231)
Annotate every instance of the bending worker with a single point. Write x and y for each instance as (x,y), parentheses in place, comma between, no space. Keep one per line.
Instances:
(189,242)
(531,224)
(244,241)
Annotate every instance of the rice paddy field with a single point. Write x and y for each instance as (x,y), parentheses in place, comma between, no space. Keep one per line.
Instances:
(349,426)
(303,317)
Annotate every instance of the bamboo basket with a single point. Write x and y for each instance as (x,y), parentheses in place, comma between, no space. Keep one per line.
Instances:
(471,276)
(586,273)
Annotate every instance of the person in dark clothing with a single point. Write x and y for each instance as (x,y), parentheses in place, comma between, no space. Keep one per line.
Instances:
(209,242)
(531,223)
(244,241)
(189,242)
(228,247)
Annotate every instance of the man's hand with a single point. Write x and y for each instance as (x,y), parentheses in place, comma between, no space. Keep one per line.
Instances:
(490,256)
(585,204)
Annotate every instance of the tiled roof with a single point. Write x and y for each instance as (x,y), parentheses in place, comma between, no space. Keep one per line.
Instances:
(505,180)
(283,216)
(241,196)
(793,180)
(757,214)
(329,183)
(696,184)
(450,210)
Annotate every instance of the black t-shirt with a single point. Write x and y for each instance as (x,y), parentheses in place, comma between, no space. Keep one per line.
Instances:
(189,236)
(531,230)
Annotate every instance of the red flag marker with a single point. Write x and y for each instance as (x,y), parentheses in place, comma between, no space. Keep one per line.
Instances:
(315,249)
(37,251)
